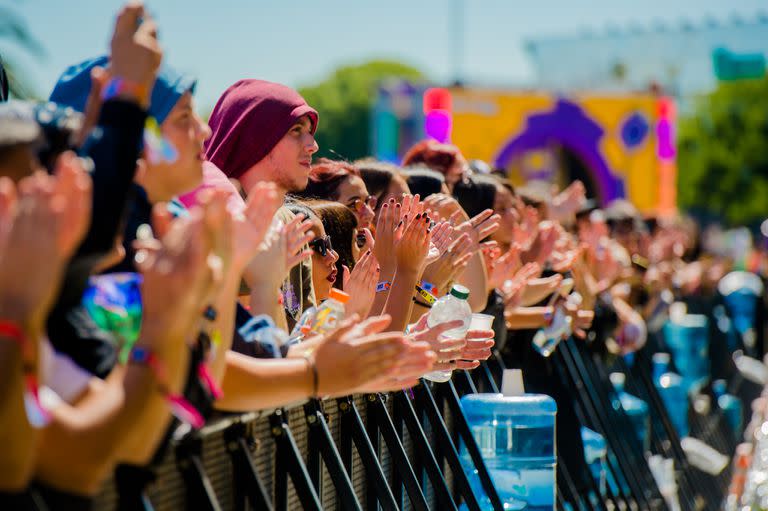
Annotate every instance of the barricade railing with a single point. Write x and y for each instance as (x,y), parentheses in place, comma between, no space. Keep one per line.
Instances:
(401,450)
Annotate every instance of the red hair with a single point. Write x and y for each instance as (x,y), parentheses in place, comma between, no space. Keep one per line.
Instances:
(325,178)
(436,156)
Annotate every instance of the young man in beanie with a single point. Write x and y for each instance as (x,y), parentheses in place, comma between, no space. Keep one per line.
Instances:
(263,131)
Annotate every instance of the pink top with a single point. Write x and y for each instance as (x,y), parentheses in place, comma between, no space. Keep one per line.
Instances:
(214,178)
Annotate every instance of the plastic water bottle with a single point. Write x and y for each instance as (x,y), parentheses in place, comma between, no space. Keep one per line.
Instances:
(730,405)
(450,307)
(595,454)
(687,337)
(329,314)
(672,391)
(636,410)
(516,437)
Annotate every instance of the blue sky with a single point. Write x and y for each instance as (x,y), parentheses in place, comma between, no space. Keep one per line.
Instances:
(298,42)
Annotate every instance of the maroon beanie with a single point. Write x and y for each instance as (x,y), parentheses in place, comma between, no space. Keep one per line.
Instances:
(249,120)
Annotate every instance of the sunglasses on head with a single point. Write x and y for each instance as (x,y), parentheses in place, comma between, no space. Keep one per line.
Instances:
(321,245)
(358,204)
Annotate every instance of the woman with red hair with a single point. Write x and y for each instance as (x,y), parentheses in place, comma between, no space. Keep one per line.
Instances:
(340,181)
(443,158)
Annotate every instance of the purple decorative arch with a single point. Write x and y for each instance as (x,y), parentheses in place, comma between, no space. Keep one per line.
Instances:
(568,125)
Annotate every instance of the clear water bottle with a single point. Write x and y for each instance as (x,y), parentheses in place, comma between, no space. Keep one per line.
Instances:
(516,437)
(673,392)
(636,410)
(329,314)
(687,337)
(595,454)
(730,405)
(450,307)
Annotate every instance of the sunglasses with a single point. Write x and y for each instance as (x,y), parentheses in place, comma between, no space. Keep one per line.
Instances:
(321,245)
(357,204)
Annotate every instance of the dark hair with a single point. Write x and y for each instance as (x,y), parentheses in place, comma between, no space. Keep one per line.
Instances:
(377,176)
(436,156)
(476,194)
(4,85)
(340,224)
(325,178)
(423,181)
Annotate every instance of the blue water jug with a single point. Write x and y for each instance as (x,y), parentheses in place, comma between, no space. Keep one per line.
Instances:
(730,405)
(595,454)
(636,410)
(673,393)
(687,337)
(516,436)
(741,292)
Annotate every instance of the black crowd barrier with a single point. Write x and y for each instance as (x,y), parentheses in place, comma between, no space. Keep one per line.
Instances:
(400,450)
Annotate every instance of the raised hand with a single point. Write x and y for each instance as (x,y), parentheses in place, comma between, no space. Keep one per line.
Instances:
(360,284)
(35,243)
(356,354)
(514,288)
(389,217)
(480,227)
(178,277)
(447,350)
(568,202)
(135,52)
(252,225)
(504,268)
(281,250)
(413,246)
(478,347)
(450,264)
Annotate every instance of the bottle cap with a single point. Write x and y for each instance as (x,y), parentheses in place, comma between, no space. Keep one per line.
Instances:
(338,295)
(460,291)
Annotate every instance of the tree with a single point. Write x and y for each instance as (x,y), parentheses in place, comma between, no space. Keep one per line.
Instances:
(344,101)
(723,152)
(14,29)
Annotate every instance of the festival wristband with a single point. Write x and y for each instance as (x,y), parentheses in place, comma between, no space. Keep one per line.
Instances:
(180,407)
(383,286)
(37,415)
(426,295)
(315,377)
(119,86)
(421,304)
(430,287)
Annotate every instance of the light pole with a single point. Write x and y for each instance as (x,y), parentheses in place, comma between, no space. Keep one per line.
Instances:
(456,35)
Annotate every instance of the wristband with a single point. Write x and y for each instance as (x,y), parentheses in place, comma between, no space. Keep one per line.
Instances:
(422,304)
(180,407)
(429,287)
(383,286)
(37,415)
(119,86)
(426,295)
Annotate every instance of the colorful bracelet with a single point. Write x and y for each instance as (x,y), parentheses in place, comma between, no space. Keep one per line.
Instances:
(422,304)
(430,287)
(180,407)
(118,86)
(384,285)
(428,297)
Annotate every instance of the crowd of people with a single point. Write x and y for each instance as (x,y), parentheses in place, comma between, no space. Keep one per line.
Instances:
(235,234)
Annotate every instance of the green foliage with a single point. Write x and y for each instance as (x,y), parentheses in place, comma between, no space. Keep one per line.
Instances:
(344,102)
(723,153)
(13,29)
